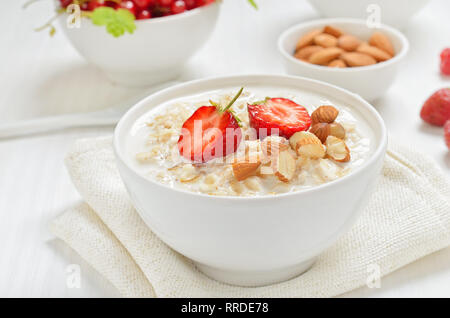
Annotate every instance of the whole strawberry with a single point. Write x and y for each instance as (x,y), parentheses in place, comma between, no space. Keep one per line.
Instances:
(445,62)
(447,133)
(436,110)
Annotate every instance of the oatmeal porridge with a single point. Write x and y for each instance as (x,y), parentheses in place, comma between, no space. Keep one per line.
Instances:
(297,140)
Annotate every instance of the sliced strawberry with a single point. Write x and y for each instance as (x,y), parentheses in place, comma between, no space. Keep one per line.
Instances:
(278,114)
(436,110)
(211,132)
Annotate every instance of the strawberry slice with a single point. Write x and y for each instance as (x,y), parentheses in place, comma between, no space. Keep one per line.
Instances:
(211,132)
(279,114)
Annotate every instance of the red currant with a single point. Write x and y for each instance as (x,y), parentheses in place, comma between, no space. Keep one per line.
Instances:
(129,5)
(143,4)
(178,7)
(144,14)
(166,3)
(190,4)
(65,3)
(445,62)
(201,3)
(94,4)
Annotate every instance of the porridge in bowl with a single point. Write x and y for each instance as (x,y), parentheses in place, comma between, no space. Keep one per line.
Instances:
(247,144)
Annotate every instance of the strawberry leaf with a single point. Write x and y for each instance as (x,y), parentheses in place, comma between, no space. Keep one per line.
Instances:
(117,22)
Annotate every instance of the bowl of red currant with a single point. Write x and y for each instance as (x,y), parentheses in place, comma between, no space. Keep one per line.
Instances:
(138,42)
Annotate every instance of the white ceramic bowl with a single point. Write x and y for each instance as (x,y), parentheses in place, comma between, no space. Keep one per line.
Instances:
(370,82)
(260,240)
(396,13)
(154,53)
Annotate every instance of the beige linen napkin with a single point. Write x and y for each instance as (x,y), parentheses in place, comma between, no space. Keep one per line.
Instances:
(407,218)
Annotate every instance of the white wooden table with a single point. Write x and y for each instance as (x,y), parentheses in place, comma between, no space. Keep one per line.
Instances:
(41,76)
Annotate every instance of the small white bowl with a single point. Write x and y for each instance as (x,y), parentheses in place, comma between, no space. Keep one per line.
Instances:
(370,82)
(396,13)
(252,241)
(154,53)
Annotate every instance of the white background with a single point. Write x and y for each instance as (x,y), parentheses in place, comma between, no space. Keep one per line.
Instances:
(41,76)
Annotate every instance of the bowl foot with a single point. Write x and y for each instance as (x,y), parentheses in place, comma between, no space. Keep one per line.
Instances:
(255,278)
(146,79)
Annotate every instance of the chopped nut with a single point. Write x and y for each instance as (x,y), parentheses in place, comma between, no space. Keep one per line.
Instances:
(253,184)
(337,130)
(308,145)
(247,168)
(272,145)
(285,166)
(337,149)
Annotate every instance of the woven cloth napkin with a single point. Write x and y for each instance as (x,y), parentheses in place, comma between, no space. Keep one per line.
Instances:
(407,218)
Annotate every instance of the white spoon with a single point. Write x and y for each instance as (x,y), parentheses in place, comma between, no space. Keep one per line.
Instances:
(105,117)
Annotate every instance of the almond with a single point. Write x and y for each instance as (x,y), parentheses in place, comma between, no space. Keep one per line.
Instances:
(355,59)
(307,39)
(382,42)
(325,56)
(321,130)
(311,148)
(348,42)
(295,138)
(336,32)
(244,169)
(306,52)
(373,51)
(272,145)
(337,63)
(325,40)
(307,145)
(285,167)
(337,130)
(324,114)
(337,149)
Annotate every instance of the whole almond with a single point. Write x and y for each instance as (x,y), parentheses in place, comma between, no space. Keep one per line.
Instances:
(337,63)
(306,52)
(307,39)
(324,114)
(354,59)
(373,51)
(321,130)
(348,42)
(325,40)
(336,32)
(382,42)
(325,56)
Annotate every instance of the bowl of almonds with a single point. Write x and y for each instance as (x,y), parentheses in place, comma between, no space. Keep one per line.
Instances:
(346,53)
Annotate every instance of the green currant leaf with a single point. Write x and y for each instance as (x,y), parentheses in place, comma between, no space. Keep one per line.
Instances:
(117,22)
(253,3)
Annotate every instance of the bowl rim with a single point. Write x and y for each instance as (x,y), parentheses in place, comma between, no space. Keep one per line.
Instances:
(377,153)
(290,57)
